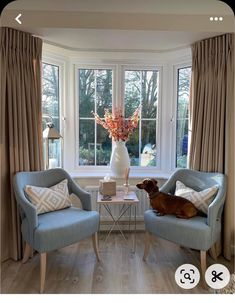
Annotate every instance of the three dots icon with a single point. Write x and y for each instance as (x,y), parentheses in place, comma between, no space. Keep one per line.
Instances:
(216,18)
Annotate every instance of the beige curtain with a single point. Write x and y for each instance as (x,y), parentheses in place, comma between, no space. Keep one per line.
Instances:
(21,125)
(212,117)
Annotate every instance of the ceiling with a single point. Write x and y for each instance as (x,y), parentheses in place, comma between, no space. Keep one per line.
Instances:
(123,25)
(120,40)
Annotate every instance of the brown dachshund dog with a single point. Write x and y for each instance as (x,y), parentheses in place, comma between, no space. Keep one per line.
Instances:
(166,204)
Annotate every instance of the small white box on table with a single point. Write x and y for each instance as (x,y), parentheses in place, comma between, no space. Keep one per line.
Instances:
(107,187)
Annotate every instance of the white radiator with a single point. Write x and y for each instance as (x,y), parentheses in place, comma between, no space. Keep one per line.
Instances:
(105,217)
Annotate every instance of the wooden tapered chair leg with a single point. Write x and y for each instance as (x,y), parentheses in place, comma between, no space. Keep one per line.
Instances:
(203,262)
(42,271)
(31,253)
(27,252)
(147,245)
(203,267)
(95,245)
(212,252)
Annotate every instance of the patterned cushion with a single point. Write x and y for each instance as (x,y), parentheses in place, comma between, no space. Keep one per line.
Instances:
(49,199)
(201,199)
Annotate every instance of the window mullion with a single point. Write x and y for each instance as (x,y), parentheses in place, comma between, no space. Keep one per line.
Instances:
(95,112)
(140,121)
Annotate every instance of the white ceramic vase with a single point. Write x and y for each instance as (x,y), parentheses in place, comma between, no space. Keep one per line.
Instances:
(119,159)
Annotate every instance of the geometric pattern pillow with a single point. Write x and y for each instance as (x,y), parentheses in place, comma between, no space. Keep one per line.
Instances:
(49,199)
(200,199)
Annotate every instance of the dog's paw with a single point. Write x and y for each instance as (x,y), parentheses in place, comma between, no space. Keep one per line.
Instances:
(160,214)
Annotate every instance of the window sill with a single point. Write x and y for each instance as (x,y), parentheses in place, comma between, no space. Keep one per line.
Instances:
(133,175)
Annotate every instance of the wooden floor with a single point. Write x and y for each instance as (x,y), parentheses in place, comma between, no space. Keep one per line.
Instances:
(74,269)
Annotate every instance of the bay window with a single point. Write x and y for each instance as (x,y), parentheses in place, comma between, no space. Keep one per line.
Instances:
(160,142)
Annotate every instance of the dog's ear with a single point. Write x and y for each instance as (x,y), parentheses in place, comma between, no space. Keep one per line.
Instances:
(155,181)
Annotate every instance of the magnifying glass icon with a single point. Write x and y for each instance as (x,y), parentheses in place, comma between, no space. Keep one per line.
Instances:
(187,276)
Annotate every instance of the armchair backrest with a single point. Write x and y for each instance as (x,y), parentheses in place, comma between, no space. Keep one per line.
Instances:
(199,181)
(45,178)
(195,179)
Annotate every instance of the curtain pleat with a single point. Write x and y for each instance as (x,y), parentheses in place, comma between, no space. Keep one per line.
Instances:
(21,127)
(212,117)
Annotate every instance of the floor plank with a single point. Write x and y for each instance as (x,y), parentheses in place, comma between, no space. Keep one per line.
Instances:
(74,269)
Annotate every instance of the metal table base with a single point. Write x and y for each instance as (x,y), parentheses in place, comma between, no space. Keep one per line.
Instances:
(126,206)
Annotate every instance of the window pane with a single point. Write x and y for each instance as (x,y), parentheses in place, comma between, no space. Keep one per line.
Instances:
(50,94)
(51,112)
(184,76)
(148,146)
(141,88)
(103,146)
(95,94)
(86,92)
(87,142)
(133,148)
(132,91)
(149,94)
(103,90)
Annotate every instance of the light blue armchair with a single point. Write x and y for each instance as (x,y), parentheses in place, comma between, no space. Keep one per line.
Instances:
(201,232)
(53,230)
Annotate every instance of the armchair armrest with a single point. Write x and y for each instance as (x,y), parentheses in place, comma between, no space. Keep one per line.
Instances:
(83,195)
(29,210)
(168,186)
(215,209)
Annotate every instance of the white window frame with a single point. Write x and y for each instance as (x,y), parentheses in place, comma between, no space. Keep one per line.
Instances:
(61,65)
(76,69)
(175,99)
(159,112)
(118,100)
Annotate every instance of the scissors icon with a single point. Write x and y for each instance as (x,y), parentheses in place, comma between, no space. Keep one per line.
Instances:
(216,276)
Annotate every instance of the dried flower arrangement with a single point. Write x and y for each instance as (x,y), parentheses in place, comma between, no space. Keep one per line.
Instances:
(119,127)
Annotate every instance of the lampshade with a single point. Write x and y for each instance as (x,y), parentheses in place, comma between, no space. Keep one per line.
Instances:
(51,133)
